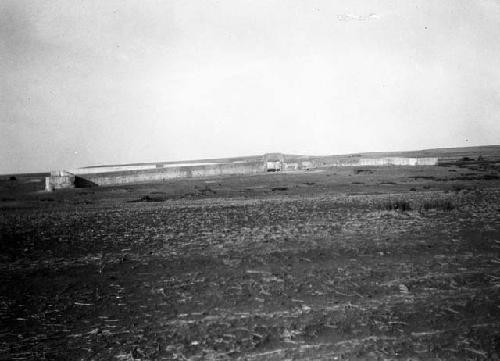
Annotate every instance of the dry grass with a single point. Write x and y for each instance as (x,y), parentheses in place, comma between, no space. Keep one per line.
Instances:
(240,271)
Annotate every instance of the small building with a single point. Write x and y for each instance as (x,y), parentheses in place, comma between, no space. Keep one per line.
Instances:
(273,166)
(273,162)
(59,180)
(306,165)
(290,166)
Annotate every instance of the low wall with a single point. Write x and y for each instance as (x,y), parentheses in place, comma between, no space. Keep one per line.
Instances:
(397,161)
(427,161)
(101,176)
(381,162)
(118,168)
(162,174)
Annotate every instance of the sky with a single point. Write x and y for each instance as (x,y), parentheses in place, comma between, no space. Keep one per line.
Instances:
(119,81)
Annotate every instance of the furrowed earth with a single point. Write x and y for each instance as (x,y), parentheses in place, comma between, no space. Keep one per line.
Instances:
(333,264)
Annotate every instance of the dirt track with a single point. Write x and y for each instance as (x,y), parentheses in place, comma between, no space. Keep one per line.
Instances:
(300,266)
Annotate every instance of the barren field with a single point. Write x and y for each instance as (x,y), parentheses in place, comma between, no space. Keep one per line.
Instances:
(334,264)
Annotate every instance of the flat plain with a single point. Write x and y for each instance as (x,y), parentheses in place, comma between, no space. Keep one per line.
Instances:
(333,264)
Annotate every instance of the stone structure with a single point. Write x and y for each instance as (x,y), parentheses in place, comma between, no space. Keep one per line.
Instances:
(397,161)
(306,165)
(59,180)
(274,162)
(271,162)
(290,166)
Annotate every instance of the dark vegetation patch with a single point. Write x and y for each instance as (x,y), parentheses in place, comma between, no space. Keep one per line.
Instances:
(404,205)
(205,190)
(398,205)
(437,204)
(423,177)
(358,171)
(472,176)
(460,188)
(148,198)
(47,199)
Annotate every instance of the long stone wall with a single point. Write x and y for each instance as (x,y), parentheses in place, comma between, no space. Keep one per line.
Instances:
(162,174)
(118,168)
(397,161)
(115,175)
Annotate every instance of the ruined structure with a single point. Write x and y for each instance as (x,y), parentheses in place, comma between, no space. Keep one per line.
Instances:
(158,172)
(59,180)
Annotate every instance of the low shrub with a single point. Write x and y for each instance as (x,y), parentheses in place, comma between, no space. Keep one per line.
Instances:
(398,205)
(437,204)
(402,205)
(206,190)
(149,199)
(357,171)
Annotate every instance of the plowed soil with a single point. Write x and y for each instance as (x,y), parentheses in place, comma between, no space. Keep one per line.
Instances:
(323,265)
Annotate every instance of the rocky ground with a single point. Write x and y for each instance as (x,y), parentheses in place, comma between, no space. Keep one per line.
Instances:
(337,264)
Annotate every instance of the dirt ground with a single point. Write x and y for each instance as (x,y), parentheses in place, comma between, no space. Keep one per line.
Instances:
(333,264)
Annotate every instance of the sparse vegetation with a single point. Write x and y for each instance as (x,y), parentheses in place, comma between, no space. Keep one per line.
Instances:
(358,171)
(437,204)
(316,268)
(148,198)
(424,177)
(397,205)
(47,199)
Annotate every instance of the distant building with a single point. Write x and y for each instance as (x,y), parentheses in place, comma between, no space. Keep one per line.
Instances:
(160,172)
(273,162)
(290,166)
(306,165)
(59,180)
(273,166)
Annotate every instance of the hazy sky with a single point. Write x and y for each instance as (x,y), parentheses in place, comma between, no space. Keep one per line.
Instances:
(117,81)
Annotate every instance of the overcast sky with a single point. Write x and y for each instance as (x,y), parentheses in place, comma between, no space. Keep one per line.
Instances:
(118,81)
